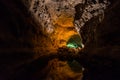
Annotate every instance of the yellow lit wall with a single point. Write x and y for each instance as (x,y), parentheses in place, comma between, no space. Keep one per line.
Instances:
(64,29)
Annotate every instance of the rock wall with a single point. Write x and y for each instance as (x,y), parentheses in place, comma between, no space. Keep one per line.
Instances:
(54,14)
(21,40)
(100,57)
(56,18)
(47,12)
(26,50)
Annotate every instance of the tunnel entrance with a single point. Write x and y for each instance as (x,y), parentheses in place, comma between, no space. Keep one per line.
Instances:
(74,42)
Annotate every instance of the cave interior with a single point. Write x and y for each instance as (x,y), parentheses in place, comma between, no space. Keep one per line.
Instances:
(59,40)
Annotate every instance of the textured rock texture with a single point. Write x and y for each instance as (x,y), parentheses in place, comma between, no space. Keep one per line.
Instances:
(20,37)
(54,14)
(56,18)
(102,46)
(22,42)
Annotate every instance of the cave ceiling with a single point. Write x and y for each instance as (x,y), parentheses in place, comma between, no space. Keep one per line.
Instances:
(63,18)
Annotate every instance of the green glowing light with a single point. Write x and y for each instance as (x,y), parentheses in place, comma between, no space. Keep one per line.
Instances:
(71,45)
(74,42)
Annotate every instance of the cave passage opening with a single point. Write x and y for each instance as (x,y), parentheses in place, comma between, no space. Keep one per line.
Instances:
(74,42)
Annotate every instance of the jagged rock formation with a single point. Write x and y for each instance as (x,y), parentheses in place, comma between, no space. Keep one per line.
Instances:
(102,47)
(55,15)
(56,18)
(22,41)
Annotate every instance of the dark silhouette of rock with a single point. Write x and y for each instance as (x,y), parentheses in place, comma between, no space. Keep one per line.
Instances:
(100,57)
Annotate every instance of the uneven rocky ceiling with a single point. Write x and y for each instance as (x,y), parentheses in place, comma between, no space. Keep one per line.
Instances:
(34,33)
(62,19)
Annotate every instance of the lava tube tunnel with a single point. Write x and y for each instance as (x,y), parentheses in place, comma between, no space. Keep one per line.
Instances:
(59,39)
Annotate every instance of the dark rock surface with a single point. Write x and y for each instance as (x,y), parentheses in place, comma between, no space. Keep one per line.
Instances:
(19,34)
(25,52)
(101,55)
